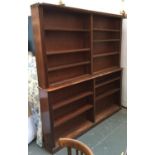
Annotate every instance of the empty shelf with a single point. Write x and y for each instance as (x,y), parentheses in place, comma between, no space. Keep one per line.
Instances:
(66,29)
(69,82)
(106,112)
(68,51)
(107,40)
(106,71)
(107,82)
(76,130)
(105,54)
(110,92)
(68,66)
(106,30)
(71,115)
(70,100)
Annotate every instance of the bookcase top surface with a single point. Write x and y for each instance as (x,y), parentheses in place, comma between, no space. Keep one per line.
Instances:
(78,10)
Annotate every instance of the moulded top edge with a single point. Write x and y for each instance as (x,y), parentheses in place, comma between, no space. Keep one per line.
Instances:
(78,10)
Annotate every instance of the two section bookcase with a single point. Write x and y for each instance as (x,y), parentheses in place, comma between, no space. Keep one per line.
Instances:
(78,66)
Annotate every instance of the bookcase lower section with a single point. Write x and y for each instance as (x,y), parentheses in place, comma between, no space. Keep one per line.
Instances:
(72,110)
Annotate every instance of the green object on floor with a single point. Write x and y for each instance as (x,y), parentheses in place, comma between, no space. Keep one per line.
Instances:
(107,138)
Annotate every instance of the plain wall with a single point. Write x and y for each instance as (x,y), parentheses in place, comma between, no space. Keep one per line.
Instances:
(110,6)
(124,62)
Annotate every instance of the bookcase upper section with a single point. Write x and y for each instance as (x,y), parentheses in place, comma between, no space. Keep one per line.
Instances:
(73,43)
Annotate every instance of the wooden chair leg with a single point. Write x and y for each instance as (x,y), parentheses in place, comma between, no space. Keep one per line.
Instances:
(69,151)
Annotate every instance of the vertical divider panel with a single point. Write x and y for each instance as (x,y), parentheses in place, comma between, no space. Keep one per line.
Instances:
(91,113)
(91,41)
(37,24)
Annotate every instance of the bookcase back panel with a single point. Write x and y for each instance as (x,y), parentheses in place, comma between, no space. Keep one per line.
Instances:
(105,62)
(70,92)
(106,35)
(105,47)
(64,59)
(64,19)
(66,40)
(67,74)
(106,22)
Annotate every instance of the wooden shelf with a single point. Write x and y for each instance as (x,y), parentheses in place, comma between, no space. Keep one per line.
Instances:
(68,66)
(107,40)
(107,82)
(77,130)
(69,101)
(66,29)
(106,112)
(71,115)
(110,92)
(106,30)
(79,79)
(105,54)
(107,71)
(68,82)
(68,51)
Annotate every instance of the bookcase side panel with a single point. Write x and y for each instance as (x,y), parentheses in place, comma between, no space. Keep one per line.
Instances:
(39,47)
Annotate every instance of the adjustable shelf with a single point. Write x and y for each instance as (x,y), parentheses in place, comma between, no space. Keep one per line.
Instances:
(70,100)
(107,94)
(65,29)
(104,54)
(106,30)
(106,40)
(68,51)
(63,119)
(68,66)
(107,82)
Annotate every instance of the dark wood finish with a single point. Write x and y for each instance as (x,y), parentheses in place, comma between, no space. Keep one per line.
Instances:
(74,127)
(68,66)
(71,115)
(107,82)
(65,29)
(37,25)
(47,123)
(70,100)
(106,30)
(68,51)
(106,112)
(106,40)
(78,64)
(107,94)
(105,54)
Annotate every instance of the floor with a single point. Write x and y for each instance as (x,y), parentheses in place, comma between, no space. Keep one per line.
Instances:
(107,138)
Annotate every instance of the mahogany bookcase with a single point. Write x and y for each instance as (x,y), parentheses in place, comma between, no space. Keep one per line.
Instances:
(78,65)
